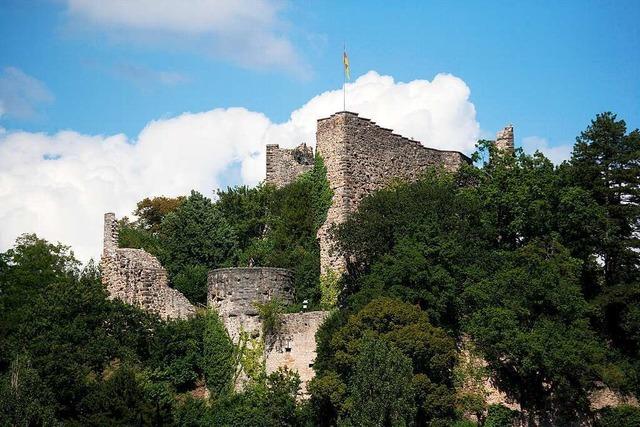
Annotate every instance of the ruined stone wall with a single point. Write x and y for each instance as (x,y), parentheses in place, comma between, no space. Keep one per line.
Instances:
(294,347)
(137,277)
(362,157)
(233,292)
(284,165)
(505,140)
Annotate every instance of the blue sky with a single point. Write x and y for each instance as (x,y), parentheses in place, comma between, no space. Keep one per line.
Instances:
(104,103)
(548,67)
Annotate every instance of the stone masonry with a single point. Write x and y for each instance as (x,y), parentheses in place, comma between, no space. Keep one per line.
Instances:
(362,157)
(294,347)
(504,140)
(233,292)
(137,277)
(284,165)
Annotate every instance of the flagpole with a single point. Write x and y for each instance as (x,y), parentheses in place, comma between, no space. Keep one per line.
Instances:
(344,79)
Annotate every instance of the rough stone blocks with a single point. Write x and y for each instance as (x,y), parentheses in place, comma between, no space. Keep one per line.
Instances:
(294,347)
(137,278)
(284,165)
(233,292)
(362,157)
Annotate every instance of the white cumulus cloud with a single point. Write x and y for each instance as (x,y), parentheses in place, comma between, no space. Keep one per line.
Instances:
(557,153)
(60,185)
(248,32)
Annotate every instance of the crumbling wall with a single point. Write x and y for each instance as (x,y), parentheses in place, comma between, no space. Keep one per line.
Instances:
(505,141)
(362,157)
(294,346)
(137,277)
(284,165)
(233,292)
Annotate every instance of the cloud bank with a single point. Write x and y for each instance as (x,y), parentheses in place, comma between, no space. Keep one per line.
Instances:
(248,32)
(58,186)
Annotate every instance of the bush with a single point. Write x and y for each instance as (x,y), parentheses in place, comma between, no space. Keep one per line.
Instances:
(500,416)
(219,356)
(192,282)
(619,416)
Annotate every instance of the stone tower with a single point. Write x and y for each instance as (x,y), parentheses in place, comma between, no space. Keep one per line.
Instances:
(362,157)
(504,140)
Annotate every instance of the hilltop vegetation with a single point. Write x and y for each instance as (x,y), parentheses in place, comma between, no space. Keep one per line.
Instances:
(538,266)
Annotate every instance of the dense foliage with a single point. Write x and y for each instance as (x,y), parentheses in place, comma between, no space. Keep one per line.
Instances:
(538,265)
(261,226)
(532,267)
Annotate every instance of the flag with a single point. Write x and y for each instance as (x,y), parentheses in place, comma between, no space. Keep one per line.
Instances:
(347,70)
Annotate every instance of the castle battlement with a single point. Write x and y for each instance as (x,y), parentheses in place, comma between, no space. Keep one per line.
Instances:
(362,157)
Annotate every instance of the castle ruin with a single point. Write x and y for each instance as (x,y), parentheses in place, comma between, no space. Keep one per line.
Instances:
(234,292)
(284,165)
(504,140)
(136,277)
(361,157)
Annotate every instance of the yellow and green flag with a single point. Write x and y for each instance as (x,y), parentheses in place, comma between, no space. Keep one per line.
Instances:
(347,70)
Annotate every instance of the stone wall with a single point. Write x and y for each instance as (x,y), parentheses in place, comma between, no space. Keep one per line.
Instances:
(505,141)
(284,165)
(137,277)
(233,292)
(294,347)
(362,157)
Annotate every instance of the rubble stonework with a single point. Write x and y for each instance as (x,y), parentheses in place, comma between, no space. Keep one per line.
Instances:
(362,157)
(294,346)
(284,165)
(136,277)
(505,141)
(233,292)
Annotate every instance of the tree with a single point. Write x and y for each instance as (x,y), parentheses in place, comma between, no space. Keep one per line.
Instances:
(269,402)
(24,398)
(246,209)
(529,319)
(430,351)
(417,242)
(25,271)
(606,162)
(196,234)
(151,212)
(380,391)
(219,356)
(177,352)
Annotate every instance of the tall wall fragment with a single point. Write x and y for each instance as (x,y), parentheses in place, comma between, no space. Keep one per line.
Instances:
(136,277)
(294,346)
(505,140)
(362,157)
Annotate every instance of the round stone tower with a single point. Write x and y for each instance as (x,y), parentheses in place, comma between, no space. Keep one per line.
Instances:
(233,292)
